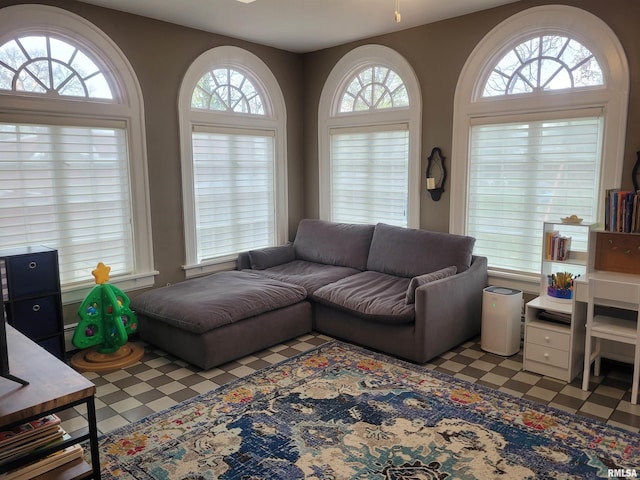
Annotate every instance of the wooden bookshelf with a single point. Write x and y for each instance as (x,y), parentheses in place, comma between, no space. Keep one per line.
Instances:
(53,387)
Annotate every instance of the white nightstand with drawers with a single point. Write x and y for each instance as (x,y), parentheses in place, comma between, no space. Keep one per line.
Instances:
(551,348)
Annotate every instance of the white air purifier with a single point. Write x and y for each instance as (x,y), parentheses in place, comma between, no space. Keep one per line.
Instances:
(501,317)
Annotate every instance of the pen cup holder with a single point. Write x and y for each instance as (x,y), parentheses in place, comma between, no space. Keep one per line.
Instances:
(560,292)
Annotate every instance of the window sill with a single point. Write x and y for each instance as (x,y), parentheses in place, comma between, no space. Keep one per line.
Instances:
(528,283)
(211,266)
(78,291)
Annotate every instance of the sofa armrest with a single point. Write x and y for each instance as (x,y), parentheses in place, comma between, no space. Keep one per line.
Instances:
(449,311)
(264,258)
(243,262)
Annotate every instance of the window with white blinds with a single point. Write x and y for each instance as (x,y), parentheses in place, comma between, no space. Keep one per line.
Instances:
(522,173)
(540,113)
(369,139)
(369,175)
(64,187)
(73,165)
(234,192)
(234,168)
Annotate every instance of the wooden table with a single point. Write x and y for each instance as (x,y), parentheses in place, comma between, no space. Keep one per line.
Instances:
(53,387)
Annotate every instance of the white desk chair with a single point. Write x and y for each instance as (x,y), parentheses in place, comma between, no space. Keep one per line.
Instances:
(613,294)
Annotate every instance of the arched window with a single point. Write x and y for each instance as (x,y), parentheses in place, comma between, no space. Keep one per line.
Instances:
(544,63)
(227,90)
(234,166)
(374,88)
(538,112)
(72,152)
(369,129)
(46,65)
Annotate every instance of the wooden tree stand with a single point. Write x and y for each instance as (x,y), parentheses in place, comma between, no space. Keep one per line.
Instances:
(90,360)
(106,321)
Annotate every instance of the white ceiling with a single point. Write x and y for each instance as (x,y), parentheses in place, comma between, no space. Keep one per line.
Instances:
(299,25)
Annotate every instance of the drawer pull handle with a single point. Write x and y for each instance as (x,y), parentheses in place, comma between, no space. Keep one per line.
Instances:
(546,339)
(36,308)
(32,265)
(546,355)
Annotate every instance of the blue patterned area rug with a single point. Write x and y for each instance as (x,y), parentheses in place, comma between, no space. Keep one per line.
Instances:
(342,412)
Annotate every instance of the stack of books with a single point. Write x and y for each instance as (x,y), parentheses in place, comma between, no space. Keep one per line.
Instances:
(622,213)
(26,439)
(557,247)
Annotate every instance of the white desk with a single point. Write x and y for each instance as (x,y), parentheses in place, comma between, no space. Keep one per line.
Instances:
(581,284)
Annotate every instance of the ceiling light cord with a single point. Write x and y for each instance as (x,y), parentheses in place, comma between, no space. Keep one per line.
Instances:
(397,15)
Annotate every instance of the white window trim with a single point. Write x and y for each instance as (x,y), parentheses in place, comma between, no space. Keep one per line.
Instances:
(130,109)
(468,103)
(273,120)
(330,118)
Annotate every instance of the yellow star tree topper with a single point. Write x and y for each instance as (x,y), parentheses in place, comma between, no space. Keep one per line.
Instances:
(101,273)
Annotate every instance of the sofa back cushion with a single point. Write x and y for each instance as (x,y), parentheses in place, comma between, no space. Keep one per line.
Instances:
(342,244)
(409,252)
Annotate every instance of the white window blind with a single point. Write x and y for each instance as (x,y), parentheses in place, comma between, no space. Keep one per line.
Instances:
(369,175)
(234,192)
(525,172)
(67,187)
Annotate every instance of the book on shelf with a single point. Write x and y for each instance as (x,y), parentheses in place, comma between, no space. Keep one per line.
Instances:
(622,211)
(555,317)
(24,431)
(44,465)
(19,449)
(557,247)
(29,438)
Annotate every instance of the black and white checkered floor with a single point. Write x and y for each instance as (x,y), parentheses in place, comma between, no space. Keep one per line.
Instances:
(160,381)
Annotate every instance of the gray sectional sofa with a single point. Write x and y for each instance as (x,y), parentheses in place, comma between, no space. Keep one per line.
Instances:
(410,293)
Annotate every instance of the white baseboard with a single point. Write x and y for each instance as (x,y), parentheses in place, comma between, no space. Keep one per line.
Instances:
(68,336)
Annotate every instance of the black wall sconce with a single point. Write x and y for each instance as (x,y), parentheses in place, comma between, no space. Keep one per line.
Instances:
(635,173)
(436,174)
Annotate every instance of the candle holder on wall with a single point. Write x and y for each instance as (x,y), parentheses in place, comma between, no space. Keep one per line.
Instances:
(436,174)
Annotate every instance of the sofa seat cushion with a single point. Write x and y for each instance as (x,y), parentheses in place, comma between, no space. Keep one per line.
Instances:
(372,295)
(309,275)
(202,304)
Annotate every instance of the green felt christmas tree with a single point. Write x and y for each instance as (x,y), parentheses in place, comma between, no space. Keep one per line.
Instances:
(106,321)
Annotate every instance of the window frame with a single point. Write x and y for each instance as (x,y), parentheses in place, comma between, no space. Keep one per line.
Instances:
(469,103)
(330,118)
(274,120)
(126,106)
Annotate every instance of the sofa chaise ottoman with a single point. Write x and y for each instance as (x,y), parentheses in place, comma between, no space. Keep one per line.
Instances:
(211,320)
